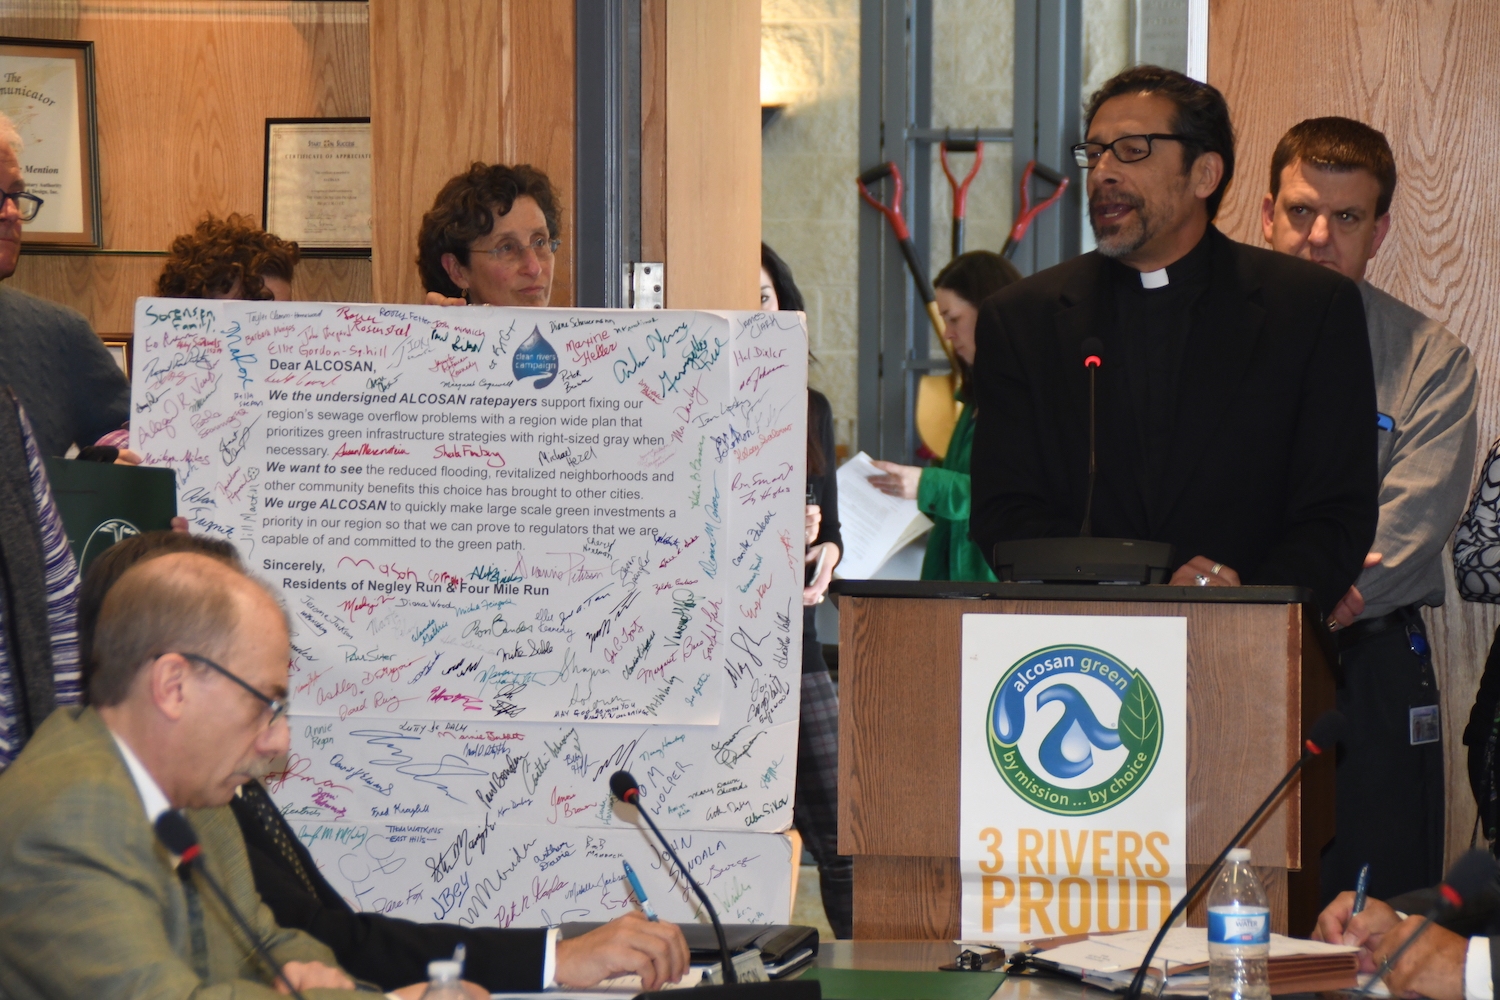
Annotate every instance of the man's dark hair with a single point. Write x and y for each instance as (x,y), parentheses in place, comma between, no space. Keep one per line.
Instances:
(112,564)
(788,296)
(1202,116)
(1340,145)
(466,209)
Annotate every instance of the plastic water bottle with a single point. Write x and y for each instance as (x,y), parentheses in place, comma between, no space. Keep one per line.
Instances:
(1239,933)
(443,981)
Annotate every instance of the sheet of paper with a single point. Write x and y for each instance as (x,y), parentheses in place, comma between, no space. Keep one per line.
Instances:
(871,522)
(520,549)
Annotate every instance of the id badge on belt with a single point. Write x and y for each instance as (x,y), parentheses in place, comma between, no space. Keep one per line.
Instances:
(1424,722)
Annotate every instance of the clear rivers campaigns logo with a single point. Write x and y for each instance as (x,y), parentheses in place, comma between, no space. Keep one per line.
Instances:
(1099,751)
(535,356)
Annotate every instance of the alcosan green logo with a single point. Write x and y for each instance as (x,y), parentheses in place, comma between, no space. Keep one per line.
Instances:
(1077,764)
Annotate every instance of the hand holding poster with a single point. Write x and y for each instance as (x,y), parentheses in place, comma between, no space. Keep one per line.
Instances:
(520,549)
(1073,774)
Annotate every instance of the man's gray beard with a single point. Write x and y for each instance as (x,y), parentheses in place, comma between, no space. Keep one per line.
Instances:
(1117,244)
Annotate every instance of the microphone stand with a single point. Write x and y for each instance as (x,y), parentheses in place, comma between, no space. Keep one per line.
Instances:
(1137,984)
(1087,528)
(731,978)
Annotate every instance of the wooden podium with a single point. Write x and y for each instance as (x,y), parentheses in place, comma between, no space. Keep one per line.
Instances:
(1257,677)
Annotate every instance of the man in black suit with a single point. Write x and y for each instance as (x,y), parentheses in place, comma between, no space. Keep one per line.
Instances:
(1235,402)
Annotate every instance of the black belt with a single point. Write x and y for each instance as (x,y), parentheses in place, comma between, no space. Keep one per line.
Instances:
(1366,627)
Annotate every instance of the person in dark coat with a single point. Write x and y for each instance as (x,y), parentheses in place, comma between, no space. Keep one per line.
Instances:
(1236,400)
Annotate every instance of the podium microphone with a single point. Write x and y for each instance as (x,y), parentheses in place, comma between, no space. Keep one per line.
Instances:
(1092,348)
(1468,876)
(1324,734)
(625,788)
(178,836)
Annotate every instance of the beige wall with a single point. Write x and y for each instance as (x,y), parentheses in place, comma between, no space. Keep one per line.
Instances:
(809,159)
(810,154)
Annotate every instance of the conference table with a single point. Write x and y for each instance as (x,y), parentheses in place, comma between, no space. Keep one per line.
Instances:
(926,956)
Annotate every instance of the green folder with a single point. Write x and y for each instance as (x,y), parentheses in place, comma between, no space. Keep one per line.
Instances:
(102,503)
(875,984)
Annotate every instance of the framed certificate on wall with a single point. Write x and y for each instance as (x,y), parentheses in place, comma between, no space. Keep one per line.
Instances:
(47,90)
(317,188)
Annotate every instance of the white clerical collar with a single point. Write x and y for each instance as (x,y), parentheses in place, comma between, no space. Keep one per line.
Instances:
(1154,279)
(152,797)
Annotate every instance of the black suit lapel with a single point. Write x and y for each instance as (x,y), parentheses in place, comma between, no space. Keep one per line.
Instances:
(1225,333)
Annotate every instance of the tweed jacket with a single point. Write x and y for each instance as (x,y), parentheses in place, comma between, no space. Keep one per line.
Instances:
(90,902)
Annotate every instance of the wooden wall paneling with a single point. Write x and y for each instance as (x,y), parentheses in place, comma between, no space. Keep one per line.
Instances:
(654,130)
(333,279)
(102,287)
(1422,74)
(182,97)
(538,110)
(435,93)
(713,154)
(459,81)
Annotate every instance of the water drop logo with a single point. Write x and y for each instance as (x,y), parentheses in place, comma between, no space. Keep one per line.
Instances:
(1073,730)
(535,357)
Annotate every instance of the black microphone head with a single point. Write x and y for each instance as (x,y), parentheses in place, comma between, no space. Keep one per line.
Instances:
(1093,350)
(1468,876)
(176,834)
(624,787)
(1327,731)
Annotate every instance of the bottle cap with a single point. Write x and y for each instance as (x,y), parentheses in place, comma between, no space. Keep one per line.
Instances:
(444,969)
(1241,854)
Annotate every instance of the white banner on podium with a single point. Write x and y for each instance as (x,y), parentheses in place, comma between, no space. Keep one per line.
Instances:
(1074,774)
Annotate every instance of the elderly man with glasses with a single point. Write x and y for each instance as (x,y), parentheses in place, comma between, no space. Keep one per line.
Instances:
(1235,399)
(188,704)
(73,391)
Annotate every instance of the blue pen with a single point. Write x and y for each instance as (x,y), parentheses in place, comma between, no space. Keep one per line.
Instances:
(1361,884)
(640,894)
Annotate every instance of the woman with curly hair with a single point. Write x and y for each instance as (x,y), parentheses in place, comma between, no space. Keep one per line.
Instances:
(229,258)
(490,238)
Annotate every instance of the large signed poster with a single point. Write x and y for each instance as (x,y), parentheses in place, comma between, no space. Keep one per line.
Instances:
(521,549)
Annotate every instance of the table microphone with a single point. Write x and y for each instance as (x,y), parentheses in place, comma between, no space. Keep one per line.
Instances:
(178,836)
(1324,734)
(625,788)
(1092,348)
(1468,876)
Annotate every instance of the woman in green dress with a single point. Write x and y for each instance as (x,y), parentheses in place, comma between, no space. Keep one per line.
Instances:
(942,491)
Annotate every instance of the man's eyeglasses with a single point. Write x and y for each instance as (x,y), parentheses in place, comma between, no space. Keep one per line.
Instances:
(1127,149)
(277,706)
(26,204)
(514,252)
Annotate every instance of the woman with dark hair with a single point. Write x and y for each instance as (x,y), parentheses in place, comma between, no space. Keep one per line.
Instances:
(490,238)
(942,491)
(815,809)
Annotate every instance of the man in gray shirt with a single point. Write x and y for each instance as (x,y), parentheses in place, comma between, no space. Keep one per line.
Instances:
(72,390)
(1331,185)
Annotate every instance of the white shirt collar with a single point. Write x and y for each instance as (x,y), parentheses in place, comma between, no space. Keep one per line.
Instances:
(152,797)
(1154,279)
